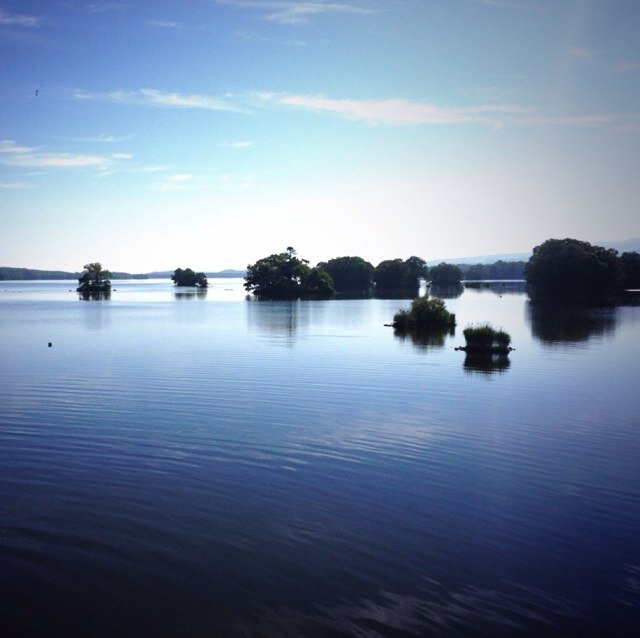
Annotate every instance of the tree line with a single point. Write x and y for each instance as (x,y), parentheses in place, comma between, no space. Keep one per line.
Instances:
(559,269)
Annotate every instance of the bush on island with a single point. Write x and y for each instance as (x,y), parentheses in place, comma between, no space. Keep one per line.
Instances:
(424,314)
(486,339)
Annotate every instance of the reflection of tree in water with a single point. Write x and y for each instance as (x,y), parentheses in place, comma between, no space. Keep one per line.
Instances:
(557,324)
(446,292)
(95,295)
(486,363)
(277,318)
(199,293)
(399,293)
(497,287)
(423,339)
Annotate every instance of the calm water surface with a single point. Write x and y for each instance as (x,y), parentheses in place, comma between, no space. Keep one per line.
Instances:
(202,465)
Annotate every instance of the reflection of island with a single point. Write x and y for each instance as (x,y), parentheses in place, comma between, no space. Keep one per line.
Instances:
(486,363)
(497,287)
(277,318)
(557,324)
(434,338)
(198,293)
(94,295)
(446,292)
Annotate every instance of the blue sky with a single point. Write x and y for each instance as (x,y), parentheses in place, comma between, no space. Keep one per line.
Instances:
(152,135)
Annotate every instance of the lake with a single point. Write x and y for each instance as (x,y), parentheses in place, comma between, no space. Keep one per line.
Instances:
(181,464)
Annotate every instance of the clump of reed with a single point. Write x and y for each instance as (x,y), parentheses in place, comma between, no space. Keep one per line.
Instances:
(485,337)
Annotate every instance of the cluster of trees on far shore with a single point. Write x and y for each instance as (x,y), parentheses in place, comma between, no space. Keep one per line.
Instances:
(559,269)
(573,270)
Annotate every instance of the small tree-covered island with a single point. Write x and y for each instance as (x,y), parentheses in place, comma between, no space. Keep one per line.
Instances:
(95,281)
(424,315)
(286,276)
(187,277)
(485,339)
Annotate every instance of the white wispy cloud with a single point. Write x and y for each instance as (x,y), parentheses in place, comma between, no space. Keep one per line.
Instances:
(9,146)
(14,185)
(580,52)
(505,4)
(176,182)
(125,156)
(296,12)
(155,97)
(103,7)
(14,19)
(165,24)
(627,66)
(399,112)
(13,154)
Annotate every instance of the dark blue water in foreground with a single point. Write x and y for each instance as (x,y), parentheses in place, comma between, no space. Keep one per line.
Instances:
(181,465)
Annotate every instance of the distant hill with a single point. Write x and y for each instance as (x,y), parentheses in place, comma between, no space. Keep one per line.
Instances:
(622,246)
(228,274)
(30,274)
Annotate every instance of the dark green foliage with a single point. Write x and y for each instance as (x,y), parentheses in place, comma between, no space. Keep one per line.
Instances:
(396,274)
(498,270)
(188,277)
(630,263)
(573,271)
(424,314)
(485,337)
(446,275)
(349,273)
(285,276)
(94,279)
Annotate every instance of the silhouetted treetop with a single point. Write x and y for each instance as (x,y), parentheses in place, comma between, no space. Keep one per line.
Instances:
(572,270)
(286,276)
(396,274)
(349,273)
(187,277)
(446,274)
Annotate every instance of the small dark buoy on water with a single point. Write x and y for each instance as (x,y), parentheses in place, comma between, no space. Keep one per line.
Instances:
(50,344)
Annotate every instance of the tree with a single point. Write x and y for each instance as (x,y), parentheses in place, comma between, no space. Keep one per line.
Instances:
(416,270)
(446,275)
(187,277)
(94,279)
(396,274)
(574,271)
(349,273)
(630,263)
(285,276)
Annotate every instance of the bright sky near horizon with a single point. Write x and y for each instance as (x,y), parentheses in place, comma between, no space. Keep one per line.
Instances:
(210,133)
